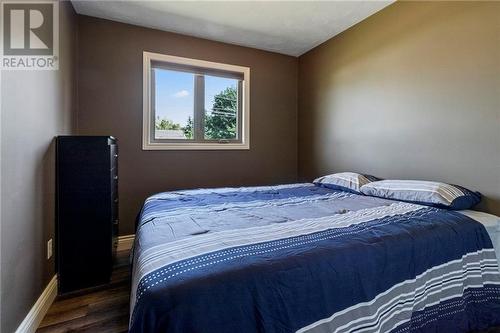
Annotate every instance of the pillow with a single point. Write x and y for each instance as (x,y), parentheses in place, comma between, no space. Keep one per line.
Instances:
(422,192)
(345,181)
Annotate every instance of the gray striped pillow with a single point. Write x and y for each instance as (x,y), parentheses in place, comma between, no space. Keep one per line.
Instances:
(345,181)
(428,193)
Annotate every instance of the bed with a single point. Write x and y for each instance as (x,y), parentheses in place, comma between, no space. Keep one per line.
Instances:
(304,258)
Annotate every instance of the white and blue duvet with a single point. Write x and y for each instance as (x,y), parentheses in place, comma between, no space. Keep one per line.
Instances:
(302,258)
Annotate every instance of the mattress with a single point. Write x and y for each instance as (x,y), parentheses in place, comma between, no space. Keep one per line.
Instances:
(303,258)
(491,224)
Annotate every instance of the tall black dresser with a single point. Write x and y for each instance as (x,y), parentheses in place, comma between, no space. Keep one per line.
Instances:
(86,210)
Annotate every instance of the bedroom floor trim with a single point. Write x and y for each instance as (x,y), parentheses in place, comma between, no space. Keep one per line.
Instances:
(125,242)
(39,309)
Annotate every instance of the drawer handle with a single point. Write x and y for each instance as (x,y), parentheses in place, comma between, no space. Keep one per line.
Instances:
(116,155)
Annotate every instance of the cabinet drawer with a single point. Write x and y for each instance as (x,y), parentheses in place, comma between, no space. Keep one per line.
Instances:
(114,156)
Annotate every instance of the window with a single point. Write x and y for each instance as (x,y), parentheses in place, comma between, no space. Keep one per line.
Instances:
(194,104)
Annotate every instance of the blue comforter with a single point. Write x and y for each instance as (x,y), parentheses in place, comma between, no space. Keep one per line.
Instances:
(302,258)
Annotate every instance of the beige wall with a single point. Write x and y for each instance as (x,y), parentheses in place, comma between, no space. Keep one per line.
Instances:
(110,103)
(35,107)
(411,92)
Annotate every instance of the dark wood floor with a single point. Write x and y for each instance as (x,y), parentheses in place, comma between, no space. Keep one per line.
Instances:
(104,311)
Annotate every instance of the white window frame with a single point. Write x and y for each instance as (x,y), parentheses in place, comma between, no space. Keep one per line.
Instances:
(148,117)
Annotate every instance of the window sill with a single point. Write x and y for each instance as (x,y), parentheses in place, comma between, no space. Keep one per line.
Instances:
(195,146)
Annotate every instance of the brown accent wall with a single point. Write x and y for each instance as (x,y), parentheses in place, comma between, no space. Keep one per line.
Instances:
(35,107)
(411,92)
(110,103)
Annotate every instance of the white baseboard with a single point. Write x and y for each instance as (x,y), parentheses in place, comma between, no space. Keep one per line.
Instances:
(125,242)
(39,310)
(43,303)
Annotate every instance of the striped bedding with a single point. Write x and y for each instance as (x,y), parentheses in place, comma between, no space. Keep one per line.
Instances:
(304,258)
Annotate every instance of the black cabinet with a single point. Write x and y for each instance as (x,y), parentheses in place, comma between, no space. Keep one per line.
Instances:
(86,210)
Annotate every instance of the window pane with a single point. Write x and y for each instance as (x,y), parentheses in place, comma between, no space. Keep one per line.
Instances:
(221,108)
(174,104)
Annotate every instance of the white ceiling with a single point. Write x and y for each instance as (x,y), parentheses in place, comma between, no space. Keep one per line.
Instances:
(288,27)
